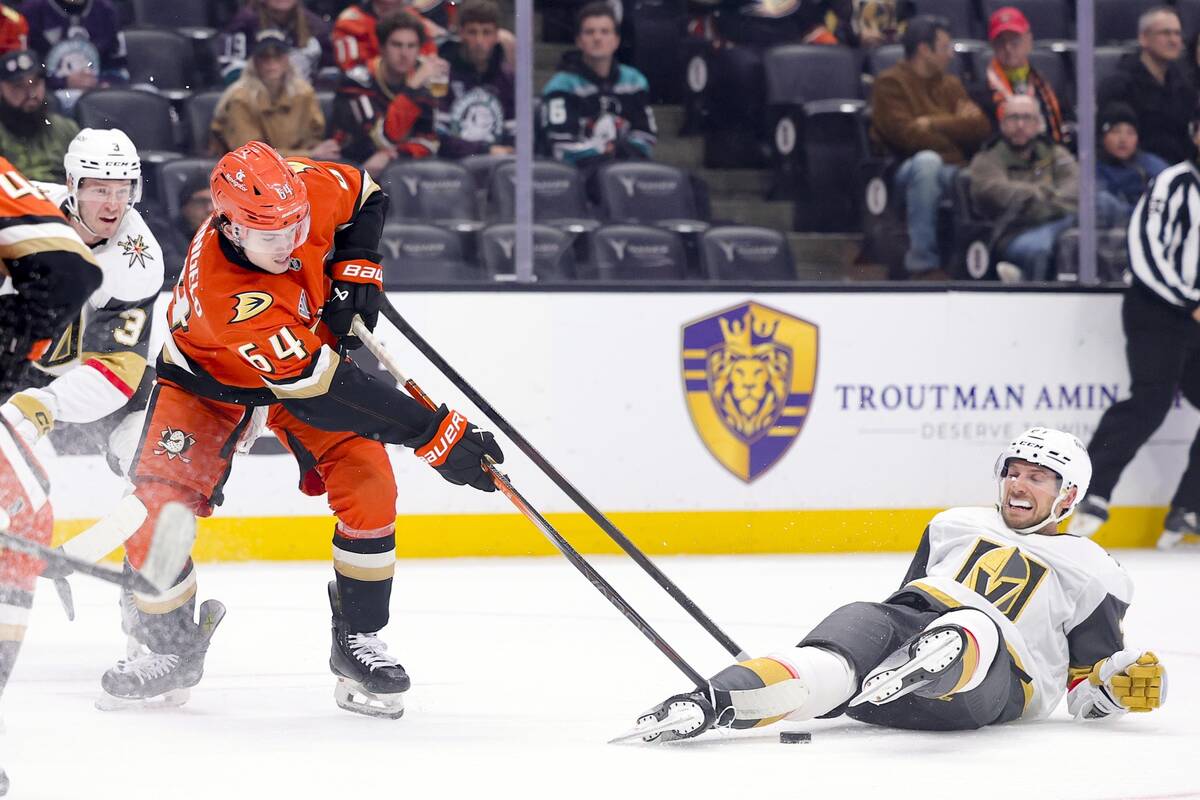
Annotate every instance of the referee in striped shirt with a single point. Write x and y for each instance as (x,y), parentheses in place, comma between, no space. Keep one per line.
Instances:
(1161,318)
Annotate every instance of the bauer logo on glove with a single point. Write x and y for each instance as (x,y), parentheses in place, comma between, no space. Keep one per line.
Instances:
(456,449)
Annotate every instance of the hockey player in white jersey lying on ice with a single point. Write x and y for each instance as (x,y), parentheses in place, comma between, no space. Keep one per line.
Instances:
(997,617)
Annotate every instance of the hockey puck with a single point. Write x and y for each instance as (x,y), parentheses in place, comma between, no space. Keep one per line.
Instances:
(795,737)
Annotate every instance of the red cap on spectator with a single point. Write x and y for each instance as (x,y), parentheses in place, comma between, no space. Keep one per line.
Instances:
(1007,20)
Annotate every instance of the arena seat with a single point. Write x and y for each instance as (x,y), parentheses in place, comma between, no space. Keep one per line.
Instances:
(199,115)
(325,101)
(434,191)
(649,193)
(418,253)
(558,195)
(482,166)
(1189,15)
(637,253)
(1106,59)
(162,59)
(553,253)
(145,116)
(745,253)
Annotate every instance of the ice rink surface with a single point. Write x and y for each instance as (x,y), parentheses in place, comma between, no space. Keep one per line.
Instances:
(522,671)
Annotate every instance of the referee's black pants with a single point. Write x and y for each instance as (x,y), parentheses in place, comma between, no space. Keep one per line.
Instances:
(1162,346)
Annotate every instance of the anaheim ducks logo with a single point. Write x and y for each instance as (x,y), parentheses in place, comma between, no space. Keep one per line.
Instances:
(250,304)
(173,443)
(1004,576)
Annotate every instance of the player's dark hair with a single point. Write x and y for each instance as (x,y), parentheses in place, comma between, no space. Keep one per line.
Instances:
(399,21)
(921,30)
(596,9)
(479,12)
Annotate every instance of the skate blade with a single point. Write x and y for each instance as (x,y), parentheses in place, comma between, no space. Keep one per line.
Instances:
(172,699)
(352,697)
(891,686)
(651,729)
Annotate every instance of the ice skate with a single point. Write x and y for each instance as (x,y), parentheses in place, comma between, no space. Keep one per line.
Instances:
(940,661)
(1089,516)
(160,680)
(370,680)
(683,716)
(1179,525)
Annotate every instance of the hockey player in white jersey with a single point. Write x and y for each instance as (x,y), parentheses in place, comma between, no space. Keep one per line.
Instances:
(88,391)
(998,617)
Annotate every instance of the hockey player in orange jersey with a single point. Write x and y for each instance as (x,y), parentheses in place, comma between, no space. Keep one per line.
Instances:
(52,273)
(259,327)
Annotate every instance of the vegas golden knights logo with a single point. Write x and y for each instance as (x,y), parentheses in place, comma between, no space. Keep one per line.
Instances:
(1005,576)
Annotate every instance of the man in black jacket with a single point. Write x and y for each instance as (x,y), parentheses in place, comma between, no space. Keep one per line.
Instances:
(1157,87)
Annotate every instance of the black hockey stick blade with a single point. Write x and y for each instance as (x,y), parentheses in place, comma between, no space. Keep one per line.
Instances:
(559,480)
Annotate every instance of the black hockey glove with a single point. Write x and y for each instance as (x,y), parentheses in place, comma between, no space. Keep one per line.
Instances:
(357,289)
(455,448)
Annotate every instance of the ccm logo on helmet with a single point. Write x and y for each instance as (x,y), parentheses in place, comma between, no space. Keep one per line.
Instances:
(366,272)
(435,452)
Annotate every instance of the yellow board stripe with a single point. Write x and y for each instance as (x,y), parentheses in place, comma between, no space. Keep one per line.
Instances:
(655,532)
(694,374)
(695,354)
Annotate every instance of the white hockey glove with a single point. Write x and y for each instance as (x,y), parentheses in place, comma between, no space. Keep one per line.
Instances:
(30,413)
(1125,681)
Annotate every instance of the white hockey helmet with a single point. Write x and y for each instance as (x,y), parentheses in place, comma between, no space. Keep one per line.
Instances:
(104,154)
(1057,451)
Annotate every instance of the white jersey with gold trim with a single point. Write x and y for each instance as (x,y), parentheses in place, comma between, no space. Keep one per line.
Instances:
(1057,599)
(99,361)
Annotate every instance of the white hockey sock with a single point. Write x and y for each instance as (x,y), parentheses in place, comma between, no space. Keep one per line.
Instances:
(827,675)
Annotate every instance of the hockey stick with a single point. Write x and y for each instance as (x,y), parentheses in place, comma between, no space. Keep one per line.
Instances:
(518,500)
(169,551)
(561,482)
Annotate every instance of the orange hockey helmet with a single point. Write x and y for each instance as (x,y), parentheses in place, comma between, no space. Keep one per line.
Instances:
(262,199)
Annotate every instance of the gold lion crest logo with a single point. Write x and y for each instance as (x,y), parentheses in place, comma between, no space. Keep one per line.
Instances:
(749,373)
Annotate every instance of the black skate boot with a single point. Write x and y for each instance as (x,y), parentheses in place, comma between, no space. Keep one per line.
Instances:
(370,681)
(162,679)
(682,716)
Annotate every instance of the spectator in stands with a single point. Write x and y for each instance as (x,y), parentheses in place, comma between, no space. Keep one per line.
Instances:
(1122,169)
(1157,87)
(355,40)
(594,109)
(307,34)
(1029,187)
(1011,73)
(477,114)
(195,206)
(14,30)
(922,114)
(270,102)
(385,110)
(80,42)
(31,137)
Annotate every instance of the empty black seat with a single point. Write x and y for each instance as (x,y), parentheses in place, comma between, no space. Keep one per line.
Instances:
(799,73)
(416,253)
(160,58)
(482,166)
(144,116)
(429,190)
(1054,68)
(1048,19)
(1106,59)
(883,57)
(649,193)
(744,253)
(325,100)
(198,117)
(1189,16)
(174,175)
(638,252)
(558,195)
(553,253)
